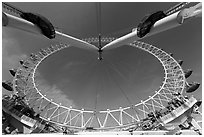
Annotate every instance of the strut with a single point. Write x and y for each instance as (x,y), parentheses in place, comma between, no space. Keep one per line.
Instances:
(99,50)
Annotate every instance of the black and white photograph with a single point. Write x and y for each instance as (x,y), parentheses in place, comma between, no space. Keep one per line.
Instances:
(101,68)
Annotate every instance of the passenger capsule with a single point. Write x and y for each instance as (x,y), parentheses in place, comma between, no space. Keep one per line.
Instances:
(198,103)
(7,85)
(180,62)
(188,73)
(43,23)
(13,72)
(192,87)
(147,22)
(21,62)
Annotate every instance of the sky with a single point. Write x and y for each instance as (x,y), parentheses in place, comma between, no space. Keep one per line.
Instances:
(75,77)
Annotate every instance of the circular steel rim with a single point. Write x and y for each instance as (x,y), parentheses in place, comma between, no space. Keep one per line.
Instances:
(174,82)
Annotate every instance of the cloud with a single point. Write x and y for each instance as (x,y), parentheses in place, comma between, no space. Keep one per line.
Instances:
(73,64)
(11,52)
(52,91)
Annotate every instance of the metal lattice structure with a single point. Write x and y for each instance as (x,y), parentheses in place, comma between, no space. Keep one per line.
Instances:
(30,105)
(24,85)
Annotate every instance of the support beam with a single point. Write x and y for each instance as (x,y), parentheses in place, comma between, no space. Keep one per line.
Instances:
(19,23)
(82,119)
(164,24)
(121,116)
(195,124)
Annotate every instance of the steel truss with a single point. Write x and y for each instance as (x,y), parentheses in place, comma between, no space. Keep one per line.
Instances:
(24,85)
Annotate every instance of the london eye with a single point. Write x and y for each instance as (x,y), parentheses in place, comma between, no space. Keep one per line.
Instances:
(169,109)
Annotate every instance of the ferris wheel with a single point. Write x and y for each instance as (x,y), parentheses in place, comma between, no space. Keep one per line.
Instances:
(167,106)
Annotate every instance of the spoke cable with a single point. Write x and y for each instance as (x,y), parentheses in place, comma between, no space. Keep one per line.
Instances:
(137,113)
(98,18)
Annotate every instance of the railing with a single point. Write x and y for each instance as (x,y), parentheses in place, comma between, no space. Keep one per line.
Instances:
(28,121)
(8,106)
(18,115)
(178,111)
